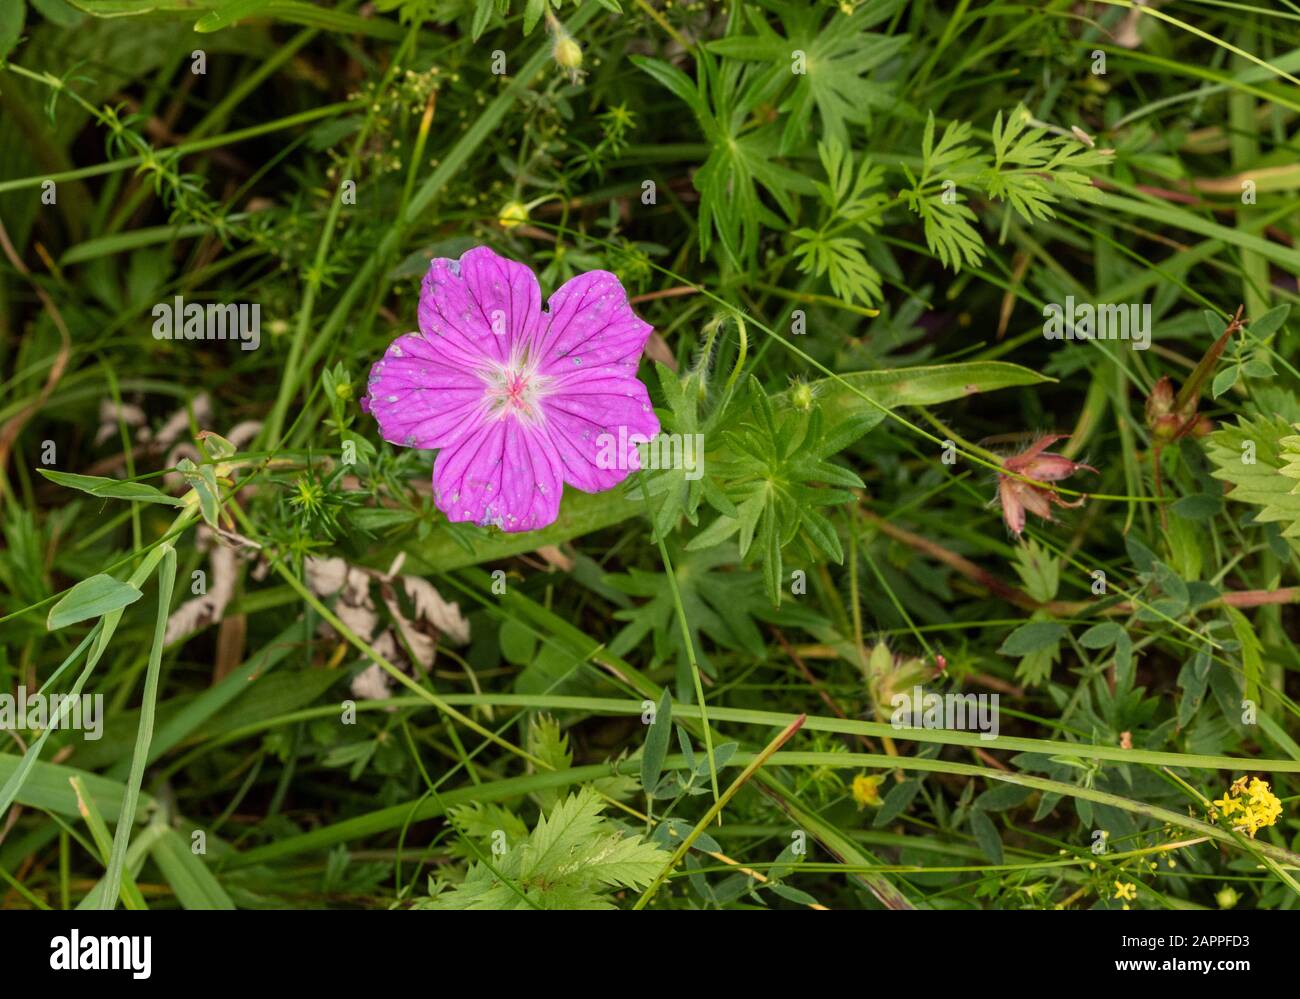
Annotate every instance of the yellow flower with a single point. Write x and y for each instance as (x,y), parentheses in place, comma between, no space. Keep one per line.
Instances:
(1125,890)
(1226,805)
(1227,897)
(866,789)
(1254,799)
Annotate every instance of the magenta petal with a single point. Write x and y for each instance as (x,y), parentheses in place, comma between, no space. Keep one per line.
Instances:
(480,308)
(592,329)
(503,473)
(594,427)
(420,398)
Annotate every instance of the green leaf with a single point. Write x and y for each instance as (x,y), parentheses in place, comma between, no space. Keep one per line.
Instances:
(1101,636)
(829,57)
(58,12)
(986,835)
(518,642)
(1192,680)
(1252,663)
(533,12)
(719,603)
(743,155)
(949,232)
(229,13)
(293,11)
(840,259)
(571,860)
(216,446)
(1142,556)
(12,15)
(580,513)
(91,598)
(482,15)
(1032,637)
(1270,322)
(97,485)
(656,742)
(1201,506)
(896,802)
(194,885)
(144,735)
(1224,380)
(1039,570)
(203,480)
(1261,459)
(926,385)
(673,79)
(792,894)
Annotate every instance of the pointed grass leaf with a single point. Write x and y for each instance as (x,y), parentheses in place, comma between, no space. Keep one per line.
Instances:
(91,598)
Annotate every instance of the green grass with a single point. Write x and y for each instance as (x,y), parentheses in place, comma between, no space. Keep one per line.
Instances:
(845,223)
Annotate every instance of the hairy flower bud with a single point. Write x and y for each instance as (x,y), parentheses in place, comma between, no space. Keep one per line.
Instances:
(1161,400)
(567,52)
(801,396)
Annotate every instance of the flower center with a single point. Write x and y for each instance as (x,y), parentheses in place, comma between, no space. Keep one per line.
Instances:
(516,388)
(515,391)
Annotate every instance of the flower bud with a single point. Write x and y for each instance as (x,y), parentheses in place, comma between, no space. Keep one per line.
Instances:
(512,214)
(1161,400)
(1165,428)
(567,52)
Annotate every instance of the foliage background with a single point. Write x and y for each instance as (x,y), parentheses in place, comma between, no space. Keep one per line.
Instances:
(827,318)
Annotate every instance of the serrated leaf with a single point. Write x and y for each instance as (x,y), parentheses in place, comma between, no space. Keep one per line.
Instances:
(1261,459)
(1201,506)
(571,860)
(1032,637)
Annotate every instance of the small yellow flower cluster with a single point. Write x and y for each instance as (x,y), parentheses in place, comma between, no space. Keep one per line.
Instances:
(866,789)
(1125,890)
(1249,804)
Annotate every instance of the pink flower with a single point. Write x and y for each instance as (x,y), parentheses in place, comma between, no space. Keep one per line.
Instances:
(1017,496)
(518,400)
